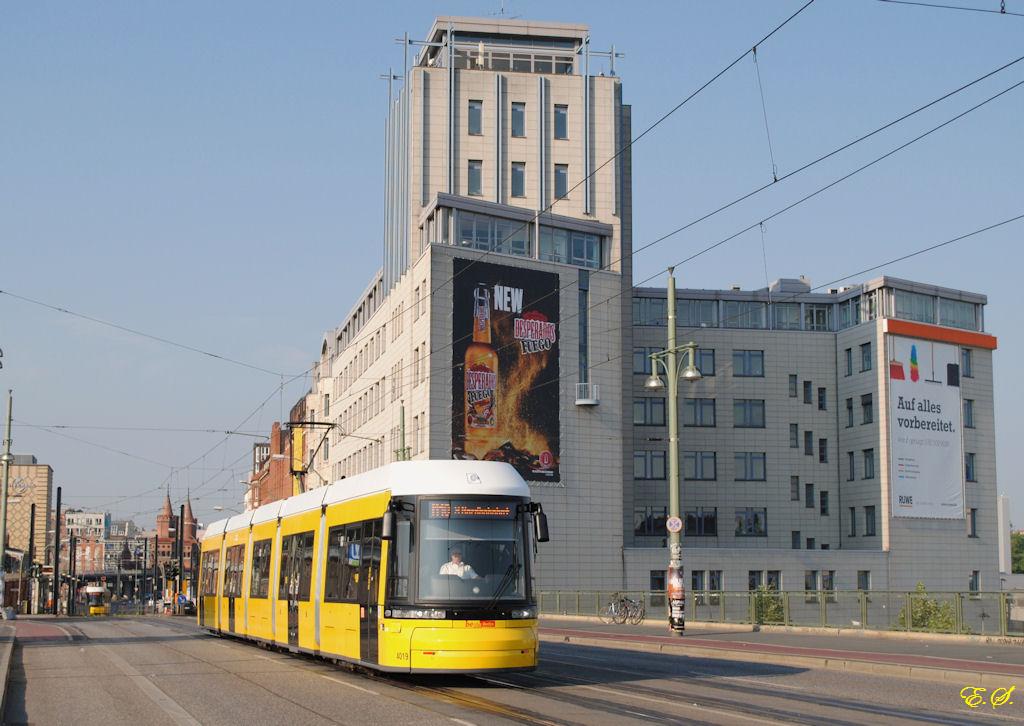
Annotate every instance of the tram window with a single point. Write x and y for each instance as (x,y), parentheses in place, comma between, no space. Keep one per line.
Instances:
(344,556)
(260,585)
(304,553)
(233,563)
(401,547)
(208,585)
(370,565)
(286,570)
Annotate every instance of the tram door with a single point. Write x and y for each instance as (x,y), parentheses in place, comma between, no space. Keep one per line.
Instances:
(368,608)
(297,573)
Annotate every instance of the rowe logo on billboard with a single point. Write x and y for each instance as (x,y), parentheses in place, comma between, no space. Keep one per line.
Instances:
(926,469)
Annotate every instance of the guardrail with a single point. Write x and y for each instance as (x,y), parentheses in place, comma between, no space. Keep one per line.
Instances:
(964,613)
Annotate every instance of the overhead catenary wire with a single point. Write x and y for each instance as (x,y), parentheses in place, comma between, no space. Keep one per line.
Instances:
(761,220)
(939,6)
(764,113)
(626,147)
(737,200)
(140,333)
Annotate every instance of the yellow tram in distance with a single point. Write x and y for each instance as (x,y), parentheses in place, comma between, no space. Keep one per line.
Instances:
(97,600)
(417,566)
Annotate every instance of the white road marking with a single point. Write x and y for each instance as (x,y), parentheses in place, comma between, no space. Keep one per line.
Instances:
(63,630)
(460,721)
(496,682)
(351,685)
(167,704)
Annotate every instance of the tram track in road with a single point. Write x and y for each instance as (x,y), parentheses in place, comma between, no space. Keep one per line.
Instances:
(324,668)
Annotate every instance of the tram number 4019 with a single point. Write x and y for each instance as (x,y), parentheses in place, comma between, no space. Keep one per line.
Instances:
(402,655)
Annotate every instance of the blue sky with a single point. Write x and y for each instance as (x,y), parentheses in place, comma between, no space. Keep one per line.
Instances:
(212,174)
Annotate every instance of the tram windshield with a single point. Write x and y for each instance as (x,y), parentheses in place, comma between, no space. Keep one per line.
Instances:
(95,598)
(471,550)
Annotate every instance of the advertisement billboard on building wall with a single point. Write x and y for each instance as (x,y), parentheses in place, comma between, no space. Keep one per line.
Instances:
(925,439)
(505,367)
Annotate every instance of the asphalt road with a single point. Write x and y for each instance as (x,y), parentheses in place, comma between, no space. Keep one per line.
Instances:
(160,670)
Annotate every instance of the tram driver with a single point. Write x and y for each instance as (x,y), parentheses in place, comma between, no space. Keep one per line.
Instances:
(457,567)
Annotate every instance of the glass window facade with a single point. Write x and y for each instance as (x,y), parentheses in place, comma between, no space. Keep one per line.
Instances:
(574,248)
(476,122)
(561,122)
(701,522)
(748,363)
(697,313)
(561,181)
(474,177)
(786,316)
(915,306)
(743,314)
(817,317)
(751,522)
(484,232)
(518,179)
(518,119)
(958,314)
(699,465)
(750,466)
(699,412)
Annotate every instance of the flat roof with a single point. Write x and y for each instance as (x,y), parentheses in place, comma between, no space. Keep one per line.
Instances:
(506,26)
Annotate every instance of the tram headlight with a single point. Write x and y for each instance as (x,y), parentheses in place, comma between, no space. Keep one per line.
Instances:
(416,613)
(529,613)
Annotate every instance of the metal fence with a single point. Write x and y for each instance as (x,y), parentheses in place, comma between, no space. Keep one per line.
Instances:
(966,613)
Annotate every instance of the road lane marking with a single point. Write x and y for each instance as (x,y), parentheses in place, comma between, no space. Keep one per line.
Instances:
(460,721)
(166,704)
(351,685)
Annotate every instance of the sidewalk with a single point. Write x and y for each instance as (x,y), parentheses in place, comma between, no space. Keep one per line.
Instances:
(974,663)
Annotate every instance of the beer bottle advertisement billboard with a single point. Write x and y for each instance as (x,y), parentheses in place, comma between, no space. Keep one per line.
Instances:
(505,367)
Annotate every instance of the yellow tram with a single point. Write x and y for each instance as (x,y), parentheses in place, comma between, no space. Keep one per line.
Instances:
(97,600)
(420,566)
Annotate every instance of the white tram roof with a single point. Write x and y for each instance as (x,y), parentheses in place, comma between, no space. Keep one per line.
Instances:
(457,478)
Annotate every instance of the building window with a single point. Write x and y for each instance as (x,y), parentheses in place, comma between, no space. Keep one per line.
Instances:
(518,179)
(714,580)
(969,471)
(958,314)
(518,120)
(484,232)
(561,122)
(794,436)
(697,582)
(642,359)
(967,363)
(915,306)
(646,310)
(794,488)
(822,451)
(823,503)
(795,539)
(809,495)
(853,521)
(476,123)
(792,385)
(864,580)
(869,521)
(697,313)
(561,181)
(474,174)
(748,363)
(649,411)
(810,576)
(809,443)
(786,316)
(751,522)
(973,584)
(817,317)
(750,466)
(584,250)
(743,314)
(968,413)
(808,392)
(748,413)
(649,521)
(706,361)
(699,465)
(849,361)
(648,464)
(865,357)
(701,522)
(657,581)
(850,467)
(822,400)
(849,412)
(828,577)
(699,412)
(972,522)
(867,408)
(869,463)
(755,579)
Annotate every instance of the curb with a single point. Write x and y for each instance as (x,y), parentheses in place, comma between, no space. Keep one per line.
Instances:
(6,654)
(961,677)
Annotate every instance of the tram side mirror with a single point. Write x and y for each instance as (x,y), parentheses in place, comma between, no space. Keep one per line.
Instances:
(540,526)
(387,530)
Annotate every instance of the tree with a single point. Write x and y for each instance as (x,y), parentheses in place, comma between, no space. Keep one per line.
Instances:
(1017,552)
(928,613)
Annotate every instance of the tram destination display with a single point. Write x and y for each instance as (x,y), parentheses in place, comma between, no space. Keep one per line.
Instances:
(925,419)
(505,397)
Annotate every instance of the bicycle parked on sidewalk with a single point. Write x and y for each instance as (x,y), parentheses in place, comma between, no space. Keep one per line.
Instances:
(621,610)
